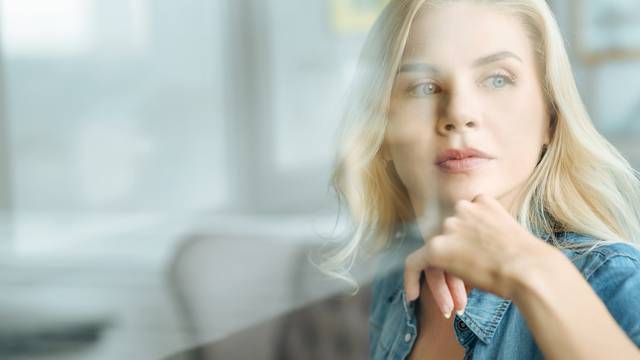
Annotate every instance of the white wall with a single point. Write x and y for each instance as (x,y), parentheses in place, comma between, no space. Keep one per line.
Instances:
(114,106)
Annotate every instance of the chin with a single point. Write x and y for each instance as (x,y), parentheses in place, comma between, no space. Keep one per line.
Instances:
(451,196)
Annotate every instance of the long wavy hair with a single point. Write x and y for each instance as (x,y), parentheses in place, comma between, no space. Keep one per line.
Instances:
(581,184)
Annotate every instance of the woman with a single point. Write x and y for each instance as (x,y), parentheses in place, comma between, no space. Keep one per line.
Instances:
(468,157)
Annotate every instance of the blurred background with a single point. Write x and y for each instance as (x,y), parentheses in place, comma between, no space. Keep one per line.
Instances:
(148,146)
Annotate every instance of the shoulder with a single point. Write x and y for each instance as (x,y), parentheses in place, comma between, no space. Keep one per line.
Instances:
(387,282)
(388,279)
(613,271)
(385,316)
(618,257)
(602,257)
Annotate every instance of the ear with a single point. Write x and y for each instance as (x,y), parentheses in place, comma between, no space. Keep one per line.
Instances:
(385,153)
(553,121)
(547,136)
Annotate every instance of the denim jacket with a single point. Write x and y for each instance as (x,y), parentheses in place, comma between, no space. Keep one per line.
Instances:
(491,327)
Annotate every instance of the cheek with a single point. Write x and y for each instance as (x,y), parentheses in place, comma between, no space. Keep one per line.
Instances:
(521,116)
(412,161)
(410,138)
(520,134)
(410,122)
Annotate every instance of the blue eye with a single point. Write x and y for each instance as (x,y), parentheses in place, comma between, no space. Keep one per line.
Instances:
(500,81)
(424,89)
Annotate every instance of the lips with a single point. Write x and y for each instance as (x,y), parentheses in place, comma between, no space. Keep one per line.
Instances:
(458,160)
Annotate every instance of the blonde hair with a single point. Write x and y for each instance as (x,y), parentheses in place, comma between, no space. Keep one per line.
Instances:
(582,183)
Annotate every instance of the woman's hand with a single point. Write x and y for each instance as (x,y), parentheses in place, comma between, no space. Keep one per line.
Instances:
(483,246)
(448,291)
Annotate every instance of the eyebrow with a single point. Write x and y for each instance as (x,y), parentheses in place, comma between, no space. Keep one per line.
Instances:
(422,67)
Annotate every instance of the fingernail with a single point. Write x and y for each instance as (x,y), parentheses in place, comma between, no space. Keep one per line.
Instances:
(460,312)
(411,295)
(447,314)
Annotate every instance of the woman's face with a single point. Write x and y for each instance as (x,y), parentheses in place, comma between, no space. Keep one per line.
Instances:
(467,79)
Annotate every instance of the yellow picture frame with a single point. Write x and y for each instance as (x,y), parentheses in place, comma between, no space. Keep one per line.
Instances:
(355,16)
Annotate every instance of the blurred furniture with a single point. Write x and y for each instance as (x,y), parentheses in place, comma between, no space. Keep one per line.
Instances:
(25,333)
(67,309)
(252,297)
(333,328)
(35,324)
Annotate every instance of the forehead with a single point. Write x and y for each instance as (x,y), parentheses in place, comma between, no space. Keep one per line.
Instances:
(461,32)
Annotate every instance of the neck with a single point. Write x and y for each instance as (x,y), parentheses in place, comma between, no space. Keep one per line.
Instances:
(431,319)
(433,212)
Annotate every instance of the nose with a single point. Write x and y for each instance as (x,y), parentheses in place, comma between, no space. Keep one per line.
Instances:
(457,114)
(456,124)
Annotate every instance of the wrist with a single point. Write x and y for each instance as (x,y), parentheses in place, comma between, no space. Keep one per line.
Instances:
(530,273)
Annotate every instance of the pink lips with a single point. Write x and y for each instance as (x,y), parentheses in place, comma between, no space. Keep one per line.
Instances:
(461,160)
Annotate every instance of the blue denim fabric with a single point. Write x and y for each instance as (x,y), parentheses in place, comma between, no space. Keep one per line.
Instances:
(492,327)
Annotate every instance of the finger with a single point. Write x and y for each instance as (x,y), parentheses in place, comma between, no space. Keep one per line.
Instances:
(439,290)
(414,265)
(480,197)
(458,292)
(486,200)
(463,209)
(450,224)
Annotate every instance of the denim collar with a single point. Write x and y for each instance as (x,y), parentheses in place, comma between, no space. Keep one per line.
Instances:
(483,313)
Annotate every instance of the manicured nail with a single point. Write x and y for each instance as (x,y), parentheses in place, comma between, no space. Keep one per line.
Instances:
(447,314)
(460,312)
(411,294)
